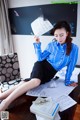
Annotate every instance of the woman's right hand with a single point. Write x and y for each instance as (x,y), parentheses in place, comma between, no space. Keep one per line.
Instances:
(37,40)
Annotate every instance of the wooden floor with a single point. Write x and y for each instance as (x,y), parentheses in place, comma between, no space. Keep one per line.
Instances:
(20,108)
(77,113)
(13,115)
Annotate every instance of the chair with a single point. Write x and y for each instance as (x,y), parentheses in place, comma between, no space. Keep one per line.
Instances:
(9,68)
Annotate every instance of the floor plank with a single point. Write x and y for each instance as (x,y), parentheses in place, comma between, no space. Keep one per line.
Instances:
(77,113)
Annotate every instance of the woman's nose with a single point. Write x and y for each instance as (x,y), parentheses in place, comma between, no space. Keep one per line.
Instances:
(58,38)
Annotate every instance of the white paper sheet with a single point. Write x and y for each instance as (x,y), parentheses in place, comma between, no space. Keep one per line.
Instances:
(41,26)
(65,102)
(58,91)
(46,91)
(57,88)
(37,91)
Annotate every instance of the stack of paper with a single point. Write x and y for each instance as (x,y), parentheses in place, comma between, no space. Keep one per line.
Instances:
(57,117)
(41,26)
(45,107)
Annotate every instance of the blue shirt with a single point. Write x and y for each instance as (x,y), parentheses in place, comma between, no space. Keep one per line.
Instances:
(55,54)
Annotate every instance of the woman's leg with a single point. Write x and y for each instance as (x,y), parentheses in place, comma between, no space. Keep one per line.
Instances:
(19,91)
(5,94)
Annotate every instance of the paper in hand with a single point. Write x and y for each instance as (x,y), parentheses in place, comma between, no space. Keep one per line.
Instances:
(41,26)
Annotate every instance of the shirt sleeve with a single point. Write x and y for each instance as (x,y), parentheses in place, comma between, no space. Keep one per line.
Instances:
(71,65)
(41,55)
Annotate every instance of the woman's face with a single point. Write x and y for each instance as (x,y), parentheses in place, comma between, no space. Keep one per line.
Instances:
(60,35)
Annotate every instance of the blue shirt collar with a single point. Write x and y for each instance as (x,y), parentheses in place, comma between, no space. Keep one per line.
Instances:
(63,45)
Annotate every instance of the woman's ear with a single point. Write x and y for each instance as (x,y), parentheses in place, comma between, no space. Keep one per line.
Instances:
(68,34)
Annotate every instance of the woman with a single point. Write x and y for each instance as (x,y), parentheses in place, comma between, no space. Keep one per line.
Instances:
(59,53)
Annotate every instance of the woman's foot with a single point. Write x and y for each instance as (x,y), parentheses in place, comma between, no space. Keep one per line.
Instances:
(3,105)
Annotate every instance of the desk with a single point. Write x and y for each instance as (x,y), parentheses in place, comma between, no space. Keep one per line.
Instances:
(19,109)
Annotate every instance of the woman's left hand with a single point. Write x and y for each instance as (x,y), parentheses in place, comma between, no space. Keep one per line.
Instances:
(73,84)
(70,83)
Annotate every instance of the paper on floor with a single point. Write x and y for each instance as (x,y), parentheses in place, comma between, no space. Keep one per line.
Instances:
(65,102)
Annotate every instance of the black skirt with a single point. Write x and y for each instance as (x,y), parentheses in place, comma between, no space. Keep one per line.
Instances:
(42,70)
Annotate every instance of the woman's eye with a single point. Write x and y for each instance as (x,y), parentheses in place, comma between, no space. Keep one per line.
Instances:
(61,35)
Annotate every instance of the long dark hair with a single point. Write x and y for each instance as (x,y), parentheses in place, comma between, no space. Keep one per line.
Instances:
(66,26)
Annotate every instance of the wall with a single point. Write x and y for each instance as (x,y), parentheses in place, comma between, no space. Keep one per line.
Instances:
(0,36)
(20,17)
(24,43)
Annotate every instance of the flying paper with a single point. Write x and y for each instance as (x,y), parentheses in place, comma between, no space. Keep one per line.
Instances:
(41,26)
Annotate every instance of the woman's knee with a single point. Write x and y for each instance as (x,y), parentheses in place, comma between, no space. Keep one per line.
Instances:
(36,81)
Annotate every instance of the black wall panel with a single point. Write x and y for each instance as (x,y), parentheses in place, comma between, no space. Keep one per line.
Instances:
(21,17)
